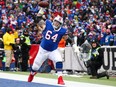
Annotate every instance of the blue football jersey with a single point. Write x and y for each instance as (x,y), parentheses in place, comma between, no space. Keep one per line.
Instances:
(109,39)
(51,38)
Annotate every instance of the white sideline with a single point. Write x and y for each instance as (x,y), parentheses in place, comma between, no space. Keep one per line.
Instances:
(48,81)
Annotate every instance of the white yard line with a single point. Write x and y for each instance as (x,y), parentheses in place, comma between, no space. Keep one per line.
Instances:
(48,81)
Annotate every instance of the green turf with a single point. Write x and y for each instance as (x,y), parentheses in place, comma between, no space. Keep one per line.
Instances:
(85,78)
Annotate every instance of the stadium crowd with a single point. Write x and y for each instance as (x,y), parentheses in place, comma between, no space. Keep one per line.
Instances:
(84,19)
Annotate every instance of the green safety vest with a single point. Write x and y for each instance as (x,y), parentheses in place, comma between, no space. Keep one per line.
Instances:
(96,52)
(27,40)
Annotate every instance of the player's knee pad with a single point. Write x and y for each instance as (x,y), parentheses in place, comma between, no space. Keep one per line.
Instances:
(59,65)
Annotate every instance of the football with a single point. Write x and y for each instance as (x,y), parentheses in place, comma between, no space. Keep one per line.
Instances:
(43,4)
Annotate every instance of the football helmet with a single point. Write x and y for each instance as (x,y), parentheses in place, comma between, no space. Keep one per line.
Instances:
(57,22)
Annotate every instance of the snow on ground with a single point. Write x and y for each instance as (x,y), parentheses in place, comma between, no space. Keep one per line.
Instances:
(48,81)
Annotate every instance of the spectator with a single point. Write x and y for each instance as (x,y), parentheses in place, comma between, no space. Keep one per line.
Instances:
(3,28)
(37,39)
(81,37)
(109,39)
(1,49)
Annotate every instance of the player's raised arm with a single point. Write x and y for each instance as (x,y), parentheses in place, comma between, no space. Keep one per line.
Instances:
(41,25)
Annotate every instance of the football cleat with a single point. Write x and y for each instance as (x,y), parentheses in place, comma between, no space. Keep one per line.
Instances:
(60,80)
(31,76)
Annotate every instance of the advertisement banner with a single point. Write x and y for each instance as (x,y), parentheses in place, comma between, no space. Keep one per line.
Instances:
(73,62)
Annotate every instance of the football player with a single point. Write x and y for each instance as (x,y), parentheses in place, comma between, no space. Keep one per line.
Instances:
(52,34)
